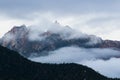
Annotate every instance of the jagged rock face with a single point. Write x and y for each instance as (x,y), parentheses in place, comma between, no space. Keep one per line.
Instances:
(18,39)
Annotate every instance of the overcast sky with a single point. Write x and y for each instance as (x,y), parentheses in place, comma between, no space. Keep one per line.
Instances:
(98,17)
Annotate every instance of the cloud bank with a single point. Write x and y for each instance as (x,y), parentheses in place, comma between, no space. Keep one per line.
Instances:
(101,60)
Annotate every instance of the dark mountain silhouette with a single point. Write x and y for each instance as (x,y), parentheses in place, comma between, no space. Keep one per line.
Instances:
(15,67)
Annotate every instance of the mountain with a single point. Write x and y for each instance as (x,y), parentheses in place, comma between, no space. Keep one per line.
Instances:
(32,42)
(15,67)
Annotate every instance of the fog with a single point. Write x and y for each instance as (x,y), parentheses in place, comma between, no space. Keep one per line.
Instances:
(65,32)
(101,60)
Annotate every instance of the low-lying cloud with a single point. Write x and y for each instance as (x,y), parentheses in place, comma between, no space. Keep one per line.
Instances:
(101,60)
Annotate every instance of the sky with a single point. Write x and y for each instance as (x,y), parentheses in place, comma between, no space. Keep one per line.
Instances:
(97,17)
